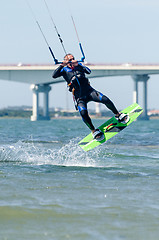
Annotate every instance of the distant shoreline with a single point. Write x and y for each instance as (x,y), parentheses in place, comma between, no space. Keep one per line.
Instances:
(26,113)
(65,117)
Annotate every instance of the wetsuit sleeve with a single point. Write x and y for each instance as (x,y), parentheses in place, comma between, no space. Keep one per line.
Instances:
(57,73)
(84,68)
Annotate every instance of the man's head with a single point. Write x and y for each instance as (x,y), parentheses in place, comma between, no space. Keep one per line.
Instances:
(69,57)
(70,60)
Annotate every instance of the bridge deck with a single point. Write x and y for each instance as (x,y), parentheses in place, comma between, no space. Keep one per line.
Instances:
(38,74)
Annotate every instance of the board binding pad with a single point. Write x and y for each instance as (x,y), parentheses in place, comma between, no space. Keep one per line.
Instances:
(111,127)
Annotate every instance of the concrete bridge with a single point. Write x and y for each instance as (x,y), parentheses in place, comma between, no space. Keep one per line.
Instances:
(40,78)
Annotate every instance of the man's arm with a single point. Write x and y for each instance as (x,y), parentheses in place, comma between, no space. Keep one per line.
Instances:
(84,68)
(57,73)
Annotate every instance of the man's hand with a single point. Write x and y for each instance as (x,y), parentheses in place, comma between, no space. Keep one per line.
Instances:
(68,63)
(64,63)
(74,62)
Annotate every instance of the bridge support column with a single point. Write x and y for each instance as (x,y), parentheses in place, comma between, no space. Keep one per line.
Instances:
(97,109)
(141,78)
(135,92)
(45,89)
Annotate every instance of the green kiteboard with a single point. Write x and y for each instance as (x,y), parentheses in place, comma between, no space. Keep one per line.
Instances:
(111,127)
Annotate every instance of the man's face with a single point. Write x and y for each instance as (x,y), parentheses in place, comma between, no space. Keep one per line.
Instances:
(69,58)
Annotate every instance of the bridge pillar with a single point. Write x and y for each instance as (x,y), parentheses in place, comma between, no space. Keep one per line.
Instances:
(141,78)
(135,92)
(45,89)
(97,109)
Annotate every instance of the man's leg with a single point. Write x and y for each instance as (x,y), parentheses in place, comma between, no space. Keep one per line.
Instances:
(82,107)
(99,97)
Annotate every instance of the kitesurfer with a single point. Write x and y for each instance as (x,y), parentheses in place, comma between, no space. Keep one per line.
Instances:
(74,74)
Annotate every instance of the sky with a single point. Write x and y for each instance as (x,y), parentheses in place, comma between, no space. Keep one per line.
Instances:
(119,31)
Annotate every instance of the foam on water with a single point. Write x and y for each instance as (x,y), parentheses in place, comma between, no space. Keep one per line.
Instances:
(69,154)
(55,153)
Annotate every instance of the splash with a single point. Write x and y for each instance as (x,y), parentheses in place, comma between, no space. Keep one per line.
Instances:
(40,153)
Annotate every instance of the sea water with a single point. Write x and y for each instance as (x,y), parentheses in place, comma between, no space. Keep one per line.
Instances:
(51,189)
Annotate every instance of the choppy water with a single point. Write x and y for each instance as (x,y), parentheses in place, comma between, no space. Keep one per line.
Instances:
(52,189)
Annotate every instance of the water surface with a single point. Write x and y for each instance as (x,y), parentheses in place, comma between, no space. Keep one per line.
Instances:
(52,189)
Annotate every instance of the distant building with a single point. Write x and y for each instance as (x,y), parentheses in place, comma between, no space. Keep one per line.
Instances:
(153,113)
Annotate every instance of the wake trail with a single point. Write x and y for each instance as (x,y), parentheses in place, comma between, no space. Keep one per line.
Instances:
(42,153)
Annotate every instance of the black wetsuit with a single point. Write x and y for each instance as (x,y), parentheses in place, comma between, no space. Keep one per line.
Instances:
(83,92)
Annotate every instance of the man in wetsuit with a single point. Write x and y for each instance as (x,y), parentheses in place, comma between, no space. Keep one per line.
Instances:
(74,74)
